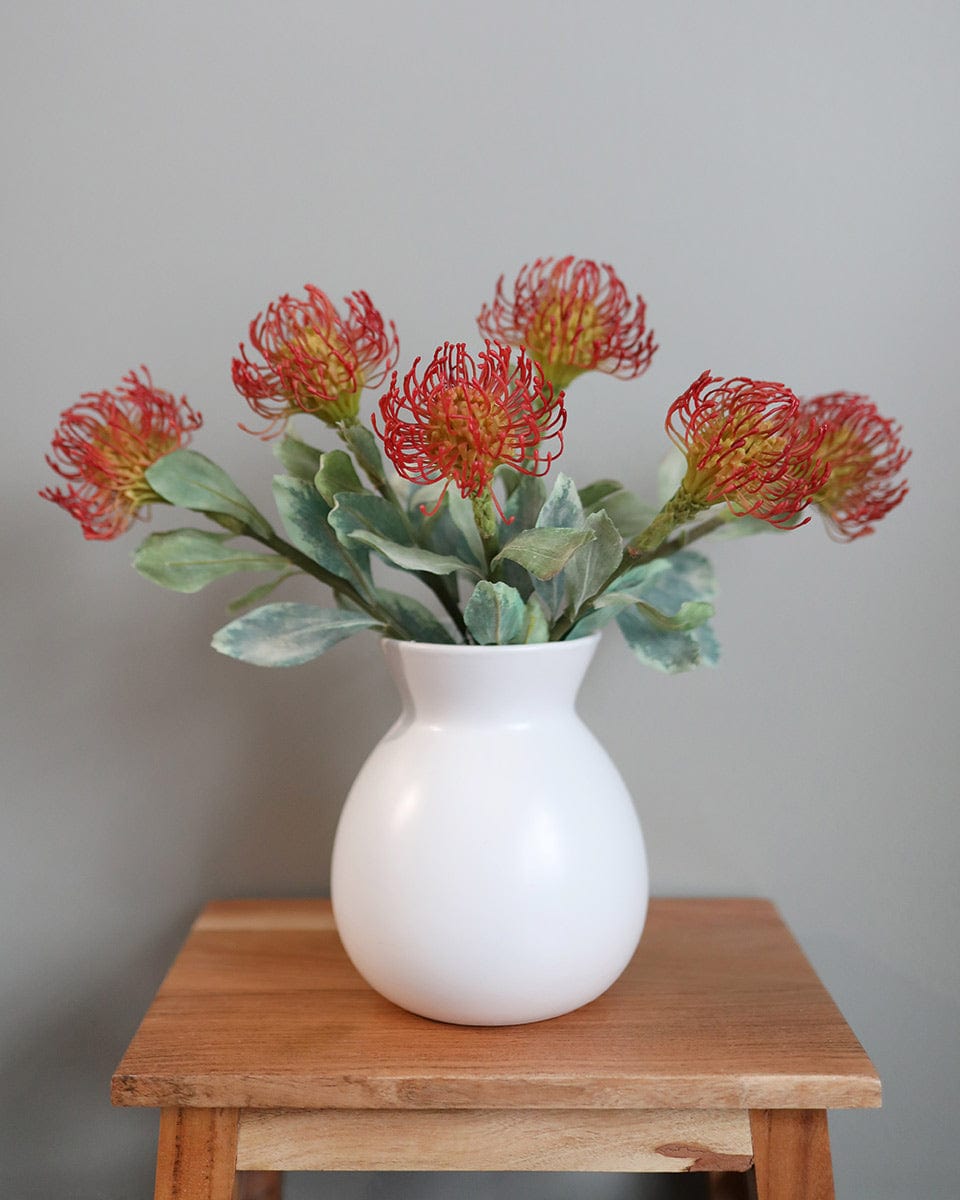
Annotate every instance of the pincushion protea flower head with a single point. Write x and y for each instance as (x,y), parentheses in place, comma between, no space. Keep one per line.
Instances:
(314,360)
(466,416)
(865,455)
(747,445)
(572,315)
(104,446)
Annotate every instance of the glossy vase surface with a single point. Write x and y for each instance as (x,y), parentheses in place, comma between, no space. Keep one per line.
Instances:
(488,867)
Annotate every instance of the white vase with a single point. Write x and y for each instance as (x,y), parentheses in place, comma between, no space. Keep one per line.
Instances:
(488,867)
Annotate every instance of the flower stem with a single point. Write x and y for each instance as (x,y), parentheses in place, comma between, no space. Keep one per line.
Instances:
(486,521)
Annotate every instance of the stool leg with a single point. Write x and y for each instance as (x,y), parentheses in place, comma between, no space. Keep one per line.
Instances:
(197,1154)
(259,1185)
(791,1154)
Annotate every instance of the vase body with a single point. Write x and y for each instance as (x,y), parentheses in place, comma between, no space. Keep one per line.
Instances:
(488,866)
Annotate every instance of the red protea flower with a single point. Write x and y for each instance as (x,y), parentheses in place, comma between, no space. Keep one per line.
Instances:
(468,416)
(747,446)
(865,456)
(572,316)
(314,360)
(104,446)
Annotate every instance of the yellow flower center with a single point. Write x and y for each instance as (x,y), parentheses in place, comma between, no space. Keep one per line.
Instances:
(469,434)
(851,462)
(324,367)
(562,336)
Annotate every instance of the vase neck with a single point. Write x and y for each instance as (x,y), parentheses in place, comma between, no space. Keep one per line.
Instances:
(499,684)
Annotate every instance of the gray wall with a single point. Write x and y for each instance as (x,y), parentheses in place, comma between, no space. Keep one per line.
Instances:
(780,181)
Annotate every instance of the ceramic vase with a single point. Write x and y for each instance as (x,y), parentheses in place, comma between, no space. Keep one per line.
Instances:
(488,866)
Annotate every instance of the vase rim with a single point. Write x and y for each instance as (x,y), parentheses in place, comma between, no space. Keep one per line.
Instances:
(426,648)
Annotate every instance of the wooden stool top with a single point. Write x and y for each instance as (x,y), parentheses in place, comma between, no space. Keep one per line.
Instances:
(718,1009)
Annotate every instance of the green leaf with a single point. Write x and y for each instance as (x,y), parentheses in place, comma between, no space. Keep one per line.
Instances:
(337,473)
(536,627)
(524,505)
(370,513)
(259,593)
(680,590)
(186,560)
(461,514)
(413,617)
(495,614)
(306,521)
(670,651)
(192,481)
(544,552)
(364,445)
(629,513)
(413,558)
(287,634)
(593,564)
(562,508)
(298,459)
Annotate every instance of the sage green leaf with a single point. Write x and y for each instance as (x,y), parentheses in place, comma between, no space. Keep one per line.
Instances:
(536,627)
(562,508)
(524,505)
(364,445)
(298,459)
(545,552)
(337,473)
(593,564)
(368,513)
(191,480)
(435,530)
(495,614)
(287,634)
(413,558)
(461,514)
(629,513)
(186,560)
(306,522)
(686,579)
(670,651)
(259,593)
(413,617)
(593,495)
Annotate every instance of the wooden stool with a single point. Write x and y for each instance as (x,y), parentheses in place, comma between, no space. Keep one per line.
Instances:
(718,1050)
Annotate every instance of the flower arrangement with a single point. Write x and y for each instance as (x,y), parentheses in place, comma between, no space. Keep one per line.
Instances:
(465,508)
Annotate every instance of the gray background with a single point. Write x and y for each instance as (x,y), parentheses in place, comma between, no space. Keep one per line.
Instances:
(780,181)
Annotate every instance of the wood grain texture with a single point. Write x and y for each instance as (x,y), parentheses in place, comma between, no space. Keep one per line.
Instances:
(719,1009)
(490,1140)
(792,1155)
(196,1154)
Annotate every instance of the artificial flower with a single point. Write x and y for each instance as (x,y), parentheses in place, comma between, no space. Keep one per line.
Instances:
(467,416)
(865,455)
(315,360)
(572,315)
(104,446)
